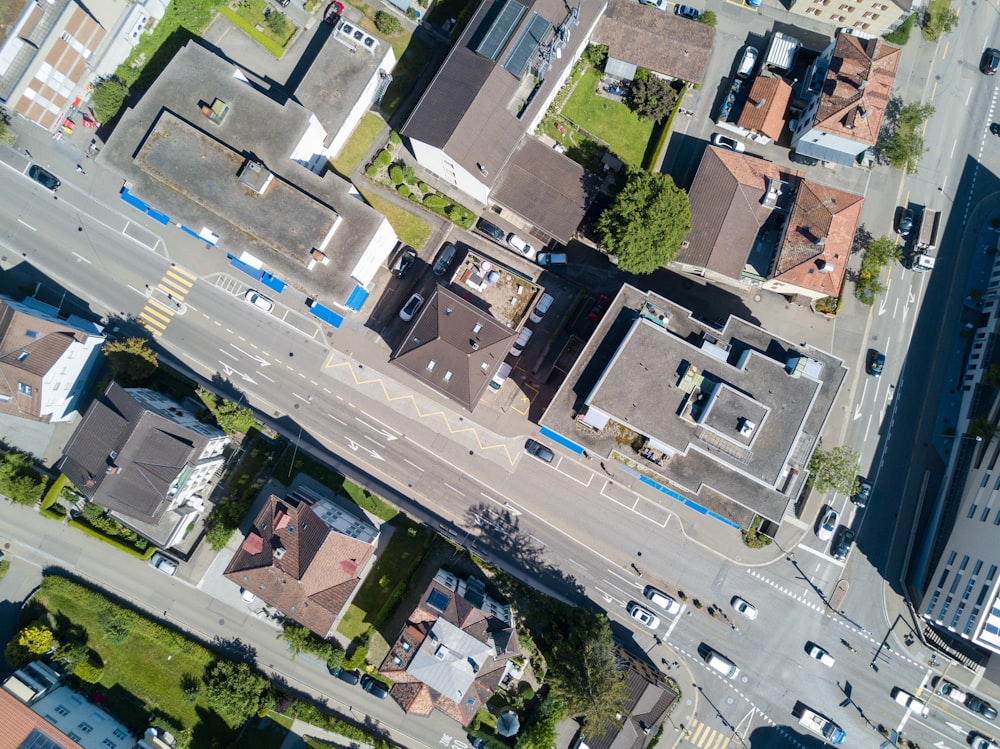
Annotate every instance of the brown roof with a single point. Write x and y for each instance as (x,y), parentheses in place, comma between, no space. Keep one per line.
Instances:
(21,722)
(819,237)
(445,351)
(727,210)
(662,42)
(857,88)
(764,111)
(312,580)
(545,187)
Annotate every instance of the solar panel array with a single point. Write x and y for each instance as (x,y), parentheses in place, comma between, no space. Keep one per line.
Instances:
(496,38)
(38,740)
(527,44)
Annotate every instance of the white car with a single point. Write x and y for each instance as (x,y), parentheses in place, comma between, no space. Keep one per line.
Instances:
(164,565)
(541,308)
(815,651)
(247,596)
(744,607)
(523,248)
(724,141)
(411,308)
(979,741)
(258,300)
(500,377)
(522,340)
(827,525)
(658,4)
(644,616)
(910,702)
(661,599)
(949,690)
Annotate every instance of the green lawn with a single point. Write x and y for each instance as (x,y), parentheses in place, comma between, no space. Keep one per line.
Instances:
(143,674)
(623,131)
(411,228)
(358,144)
(252,11)
(413,58)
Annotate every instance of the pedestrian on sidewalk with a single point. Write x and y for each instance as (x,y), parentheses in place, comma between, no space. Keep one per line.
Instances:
(80,169)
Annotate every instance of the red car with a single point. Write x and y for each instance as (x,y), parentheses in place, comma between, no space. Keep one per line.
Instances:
(597,311)
(333,12)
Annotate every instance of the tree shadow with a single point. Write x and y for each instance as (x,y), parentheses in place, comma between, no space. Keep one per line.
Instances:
(235,649)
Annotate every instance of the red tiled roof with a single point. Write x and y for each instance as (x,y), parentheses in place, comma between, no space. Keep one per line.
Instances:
(764,111)
(19,721)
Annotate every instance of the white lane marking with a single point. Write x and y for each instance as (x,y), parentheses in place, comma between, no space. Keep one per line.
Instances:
(457,491)
(339,421)
(22,223)
(414,465)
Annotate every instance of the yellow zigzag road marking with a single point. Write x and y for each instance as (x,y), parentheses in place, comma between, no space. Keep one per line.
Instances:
(421,414)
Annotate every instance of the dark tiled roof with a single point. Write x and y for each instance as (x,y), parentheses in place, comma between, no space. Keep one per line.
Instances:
(444,334)
(726,209)
(544,187)
(662,42)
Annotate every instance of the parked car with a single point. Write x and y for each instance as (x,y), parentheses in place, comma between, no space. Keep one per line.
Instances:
(247,596)
(283,3)
(991,61)
(995,128)
(492,231)
(411,308)
(541,308)
(842,543)
(864,493)
(827,525)
(876,361)
(522,340)
(952,692)
(658,4)
(333,12)
(747,63)
(258,300)
(350,677)
(540,451)
(801,158)
(686,11)
(978,741)
(163,564)
(743,607)
(906,223)
(909,701)
(644,616)
(500,377)
(44,177)
(600,305)
(445,259)
(548,259)
(404,262)
(661,599)
(981,706)
(815,651)
(521,247)
(374,687)
(724,141)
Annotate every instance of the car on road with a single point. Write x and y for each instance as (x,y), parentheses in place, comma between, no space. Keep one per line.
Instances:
(876,362)
(864,494)
(445,259)
(658,4)
(283,3)
(374,687)
(522,340)
(827,525)
(951,691)
(991,61)
(981,706)
(164,564)
(818,653)
(411,308)
(350,677)
(995,128)
(541,308)
(404,261)
(492,231)
(905,223)
(801,158)
(724,141)
(842,543)
(521,247)
(600,304)
(686,11)
(644,616)
(909,701)
(978,741)
(44,177)
(661,599)
(258,300)
(743,607)
(540,451)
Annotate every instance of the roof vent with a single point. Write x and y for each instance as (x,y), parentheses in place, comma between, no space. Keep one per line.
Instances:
(770,199)
(474,344)
(279,552)
(824,267)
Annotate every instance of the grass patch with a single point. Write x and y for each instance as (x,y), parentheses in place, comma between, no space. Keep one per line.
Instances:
(412,60)
(411,228)
(399,41)
(263,38)
(52,495)
(4,566)
(389,579)
(358,144)
(626,135)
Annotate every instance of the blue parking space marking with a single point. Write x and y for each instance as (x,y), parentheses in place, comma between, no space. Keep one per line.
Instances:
(564,441)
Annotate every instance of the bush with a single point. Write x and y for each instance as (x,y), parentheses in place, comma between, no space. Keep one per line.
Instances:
(415,197)
(387,23)
(384,157)
(396,174)
(19,480)
(409,175)
(395,138)
(108,97)
(434,201)
(371,171)
(424,187)
(87,672)
(708,18)
(596,55)
(902,33)
(404,191)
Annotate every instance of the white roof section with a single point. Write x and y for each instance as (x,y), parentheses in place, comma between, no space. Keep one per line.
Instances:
(449,659)
(781,51)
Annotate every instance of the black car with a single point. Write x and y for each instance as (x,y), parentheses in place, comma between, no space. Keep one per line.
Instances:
(351,677)
(876,361)
(982,707)
(444,259)
(492,231)
(404,262)
(995,128)
(44,177)
(374,687)
(801,158)
(686,11)
(991,61)
(864,493)
(906,223)
(539,450)
(842,543)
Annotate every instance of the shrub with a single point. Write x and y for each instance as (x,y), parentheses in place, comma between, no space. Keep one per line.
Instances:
(108,97)
(387,23)
(596,55)
(414,197)
(371,171)
(433,200)
(708,18)
(902,33)
(396,174)
(88,672)
(424,187)
(19,480)
(384,157)
(409,175)
(395,138)
(404,191)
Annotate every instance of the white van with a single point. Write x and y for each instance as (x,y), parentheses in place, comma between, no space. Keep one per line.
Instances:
(500,377)
(541,308)
(721,664)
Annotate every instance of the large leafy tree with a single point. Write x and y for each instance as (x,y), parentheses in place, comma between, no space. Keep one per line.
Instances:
(646,224)
(235,690)
(905,146)
(651,97)
(836,470)
(131,360)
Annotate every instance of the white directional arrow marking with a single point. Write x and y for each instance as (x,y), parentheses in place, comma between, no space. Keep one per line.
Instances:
(230,372)
(260,360)
(355,447)
(857,412)
(881,306)
(384,432)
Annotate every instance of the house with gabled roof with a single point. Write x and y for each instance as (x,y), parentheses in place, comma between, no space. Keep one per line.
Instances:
(757,223)
(849,87)
(145,458)
(305,555)
(46,360)
(455,650)
(766,105)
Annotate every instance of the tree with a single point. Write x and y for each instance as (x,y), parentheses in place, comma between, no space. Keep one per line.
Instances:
(131,360)
(540,732)
(647,222)
(905,146)
(235,690)
(878,254)
(982,428)
(708,18)
(939,18)
(19,480)
(835,470)
(902,33)
(651,97)
(583,672)
(36,639)
(277,23)
(296,638)
(108,97)
(387,23)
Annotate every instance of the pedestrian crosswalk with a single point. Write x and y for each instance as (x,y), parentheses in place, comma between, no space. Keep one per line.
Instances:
(704,736)
(165,299)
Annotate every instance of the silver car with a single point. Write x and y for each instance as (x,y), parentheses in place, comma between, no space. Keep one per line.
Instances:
(258,300)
